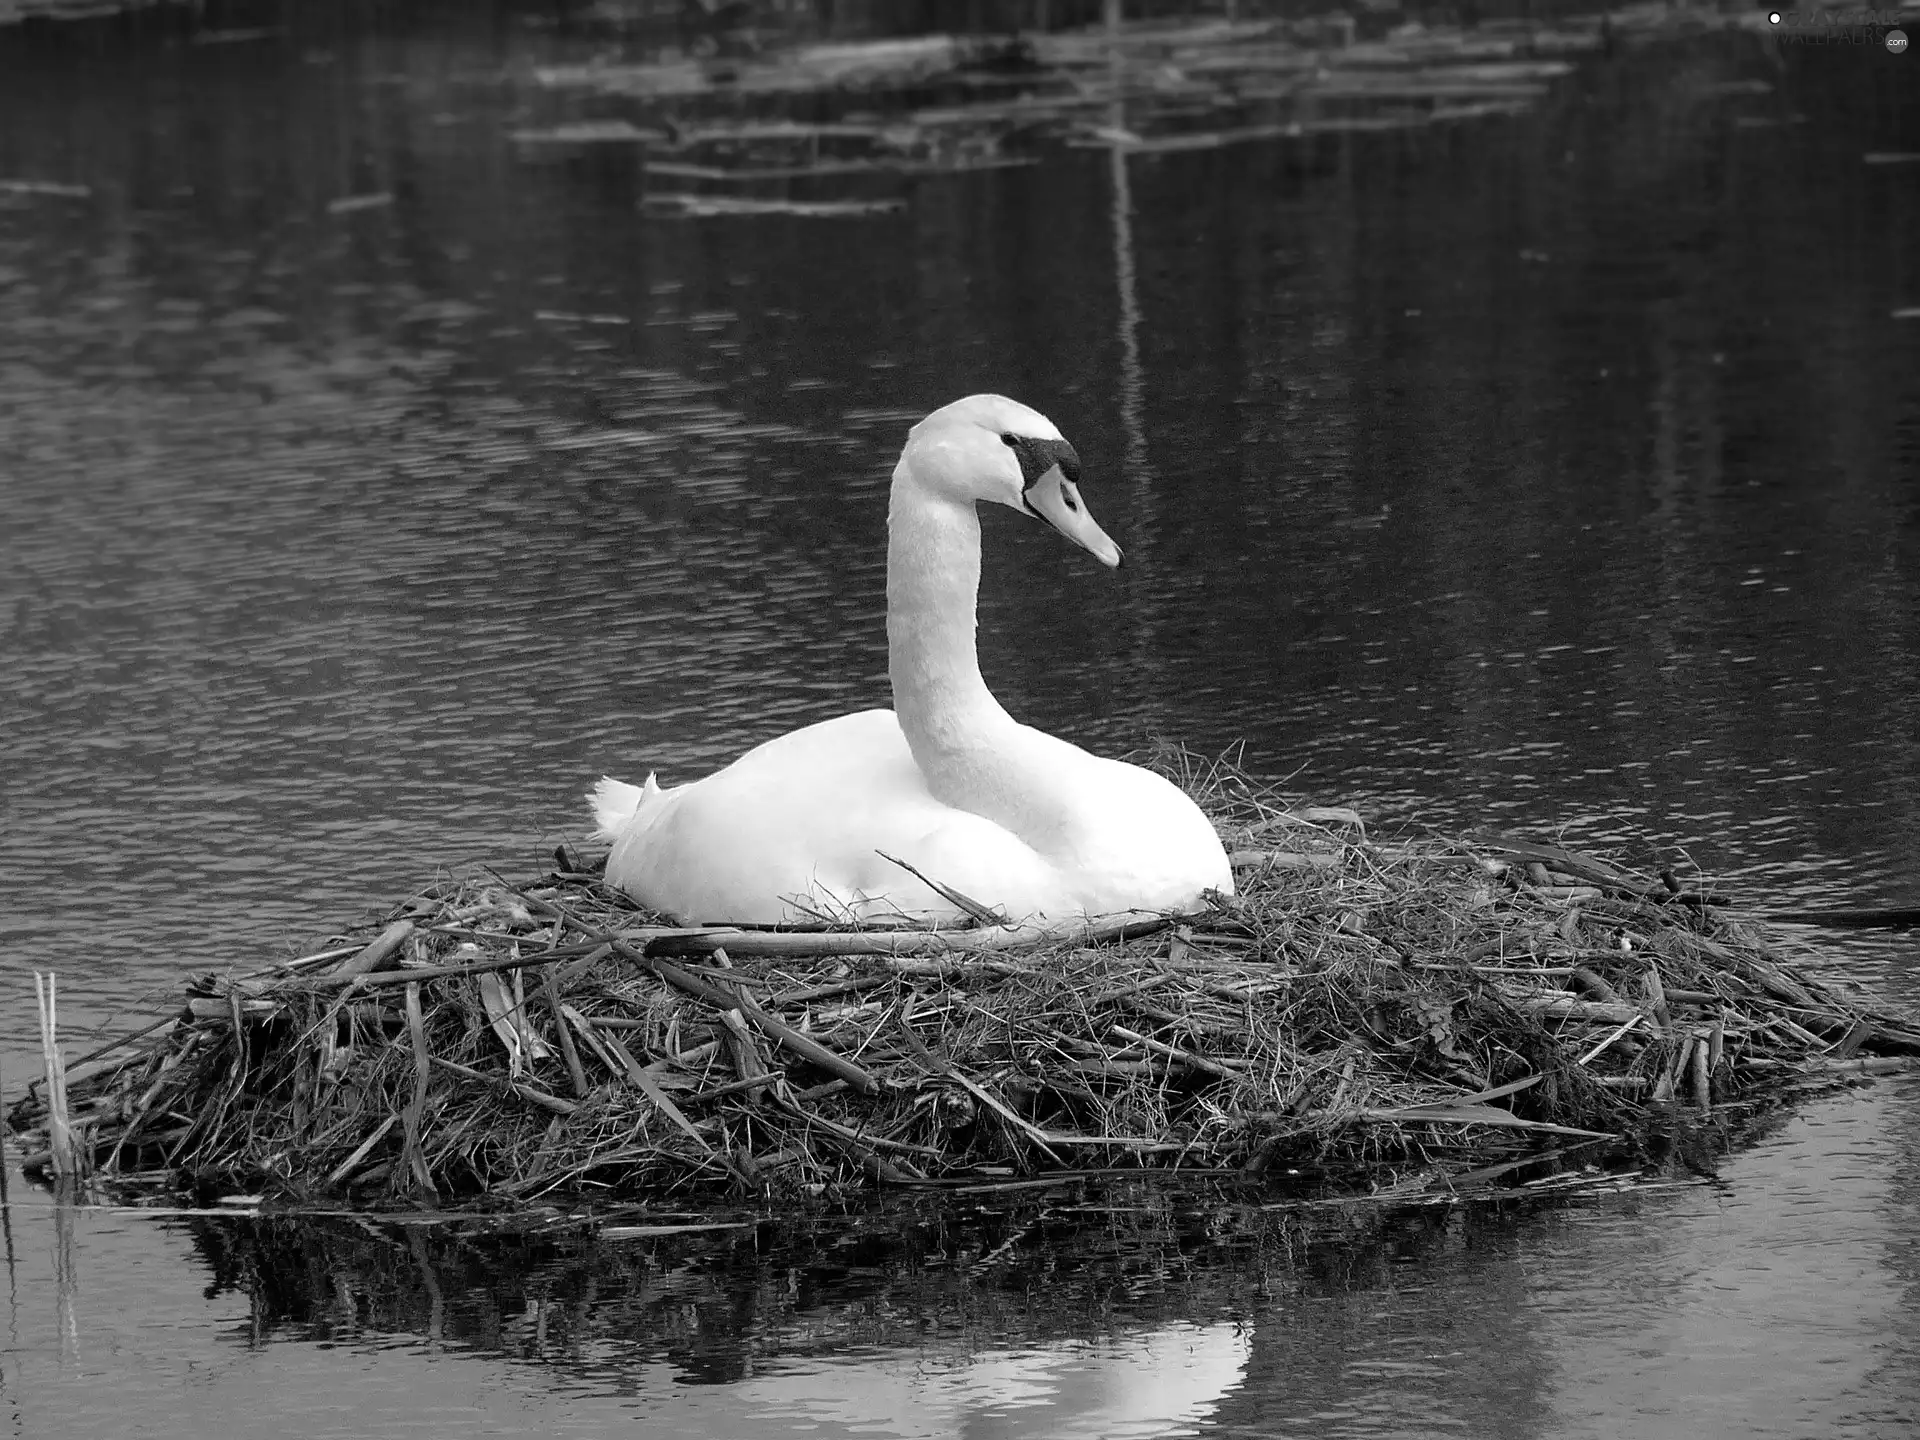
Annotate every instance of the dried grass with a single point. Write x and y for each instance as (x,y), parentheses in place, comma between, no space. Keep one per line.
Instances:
(1404,1017)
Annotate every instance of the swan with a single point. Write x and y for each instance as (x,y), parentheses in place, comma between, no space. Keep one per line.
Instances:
(990,811)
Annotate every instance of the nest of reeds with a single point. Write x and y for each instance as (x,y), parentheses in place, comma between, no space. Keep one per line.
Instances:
(1431,1014)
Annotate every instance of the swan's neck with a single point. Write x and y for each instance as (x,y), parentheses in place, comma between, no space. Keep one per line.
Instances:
(947,713)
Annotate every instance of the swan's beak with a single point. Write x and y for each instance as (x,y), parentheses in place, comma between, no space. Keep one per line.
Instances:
(1056,500)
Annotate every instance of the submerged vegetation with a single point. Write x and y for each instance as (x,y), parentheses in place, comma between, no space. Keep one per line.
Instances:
(1419,1017)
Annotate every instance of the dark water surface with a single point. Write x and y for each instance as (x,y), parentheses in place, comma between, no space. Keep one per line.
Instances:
(1557,472)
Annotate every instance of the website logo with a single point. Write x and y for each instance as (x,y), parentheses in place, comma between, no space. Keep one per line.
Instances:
(1849,26)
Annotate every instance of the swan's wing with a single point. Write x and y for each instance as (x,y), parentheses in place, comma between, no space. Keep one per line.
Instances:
(801,815)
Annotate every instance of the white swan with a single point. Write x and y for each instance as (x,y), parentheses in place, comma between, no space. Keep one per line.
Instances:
(947,781)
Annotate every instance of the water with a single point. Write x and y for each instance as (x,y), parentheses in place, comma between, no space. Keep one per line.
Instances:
(1553,473)
(1779,1303)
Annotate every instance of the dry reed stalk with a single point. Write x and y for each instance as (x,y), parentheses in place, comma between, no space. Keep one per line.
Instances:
(576,1073)
(46,992)
(416,1162)
(383,948)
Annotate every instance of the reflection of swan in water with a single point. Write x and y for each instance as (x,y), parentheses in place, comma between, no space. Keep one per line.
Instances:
(1160,1382)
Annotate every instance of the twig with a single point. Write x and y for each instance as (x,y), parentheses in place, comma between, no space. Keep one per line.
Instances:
(828,992)
(361,1151)
(854,1137)
(982,914)
(814,945)
(525,1092)
(416,974)
(734,1087)
(1281,860)
(648,1086)
(1468,1115)
(564,1034)
(1566,1007)
(422,1069)
(1601,1048)
(1657,1000)
(747,1063)
(384,946)
(1040,1138)
(1185,1057)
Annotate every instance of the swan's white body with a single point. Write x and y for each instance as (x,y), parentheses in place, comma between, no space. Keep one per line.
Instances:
(948,782)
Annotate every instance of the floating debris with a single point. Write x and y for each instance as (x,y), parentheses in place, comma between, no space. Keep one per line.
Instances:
(589,132)
(746,174)
(236,36)
(45,187)
(680,206)
(350,204)
(1407,1018)
(1146,87)
(854,65)
(570,317)
(751,132)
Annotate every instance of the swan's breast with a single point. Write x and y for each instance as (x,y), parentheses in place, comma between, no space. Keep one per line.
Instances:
(1133,837)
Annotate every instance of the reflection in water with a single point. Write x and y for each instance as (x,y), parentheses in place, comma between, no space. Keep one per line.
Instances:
(1554,472)
(1739,1296)
(1777,1303)
(1159,1383)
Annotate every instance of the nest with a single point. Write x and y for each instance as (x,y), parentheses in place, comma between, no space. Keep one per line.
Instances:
(1425,1016)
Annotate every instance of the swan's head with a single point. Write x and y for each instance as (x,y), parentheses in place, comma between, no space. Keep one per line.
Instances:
(987,447)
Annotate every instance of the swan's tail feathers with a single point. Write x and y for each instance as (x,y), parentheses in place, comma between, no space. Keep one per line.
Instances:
(615,803)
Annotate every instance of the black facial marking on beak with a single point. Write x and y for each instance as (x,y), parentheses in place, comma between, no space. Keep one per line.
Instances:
(1037,457)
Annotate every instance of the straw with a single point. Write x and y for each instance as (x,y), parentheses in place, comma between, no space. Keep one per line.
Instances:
(1362,1011)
